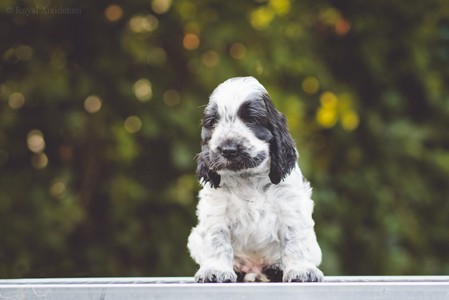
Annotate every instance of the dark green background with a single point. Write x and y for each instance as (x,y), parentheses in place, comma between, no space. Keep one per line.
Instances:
(112,192)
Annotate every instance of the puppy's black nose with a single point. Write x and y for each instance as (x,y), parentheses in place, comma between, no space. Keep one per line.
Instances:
(229,150)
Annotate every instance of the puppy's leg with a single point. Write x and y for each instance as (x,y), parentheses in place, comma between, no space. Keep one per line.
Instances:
(301,255)
(213,252)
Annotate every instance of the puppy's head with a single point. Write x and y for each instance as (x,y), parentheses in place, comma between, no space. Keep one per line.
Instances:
(242,131)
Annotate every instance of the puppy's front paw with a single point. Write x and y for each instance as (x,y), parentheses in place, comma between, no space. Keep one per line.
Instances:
(303,274)
(213,275)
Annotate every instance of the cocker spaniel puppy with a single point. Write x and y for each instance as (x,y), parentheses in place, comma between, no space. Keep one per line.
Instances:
(255,207)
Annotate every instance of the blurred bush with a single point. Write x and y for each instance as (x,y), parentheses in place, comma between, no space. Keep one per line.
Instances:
(100,108)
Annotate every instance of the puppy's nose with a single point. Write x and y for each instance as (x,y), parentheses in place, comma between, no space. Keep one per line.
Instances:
(229,150)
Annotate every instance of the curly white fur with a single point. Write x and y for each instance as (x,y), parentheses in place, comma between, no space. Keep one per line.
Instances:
(247,223)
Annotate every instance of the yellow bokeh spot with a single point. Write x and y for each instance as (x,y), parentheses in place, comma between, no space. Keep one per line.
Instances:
(92,104)
(16,100)
(350,121)
(326,117)
(143,90)
(161,6)
(335,109)
(328,99)
(133,124)
(261,17)
(310,85)
(142,24)
(57,189)
(35,141)
(280,7)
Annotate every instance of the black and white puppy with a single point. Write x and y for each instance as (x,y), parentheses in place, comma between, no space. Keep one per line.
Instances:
(255,207)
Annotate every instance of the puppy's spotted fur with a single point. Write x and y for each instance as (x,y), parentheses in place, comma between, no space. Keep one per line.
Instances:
(255,207)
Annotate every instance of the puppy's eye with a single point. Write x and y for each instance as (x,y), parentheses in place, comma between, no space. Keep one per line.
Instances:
(251,119)
(251,112)
(211,116)
(209,121)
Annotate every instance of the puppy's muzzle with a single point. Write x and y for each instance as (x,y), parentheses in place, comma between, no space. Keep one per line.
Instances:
(229,150)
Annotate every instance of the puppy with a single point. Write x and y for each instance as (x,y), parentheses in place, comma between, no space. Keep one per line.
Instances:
(255,207)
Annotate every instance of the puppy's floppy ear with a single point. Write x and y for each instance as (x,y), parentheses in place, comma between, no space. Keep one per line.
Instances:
(204,174)
(282,147)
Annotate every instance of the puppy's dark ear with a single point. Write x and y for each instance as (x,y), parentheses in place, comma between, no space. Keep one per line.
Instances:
(282,147)
(204,174)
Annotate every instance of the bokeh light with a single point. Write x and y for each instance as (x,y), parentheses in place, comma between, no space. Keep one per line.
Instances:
(210,58)
(327,114)
(261,17)
(92,104)
(237,51)
(335,108)
(161,6)
(328,99)
(24,52)
(39,160)
(18,53)
(187,10)
(342,27)
(143,90)
(280,7)
(57,188)
(133,124)
(35,141)
(326,117)
(310,85)
(350,120)
(113,13)
(142,24)
(191,41)
(16,100)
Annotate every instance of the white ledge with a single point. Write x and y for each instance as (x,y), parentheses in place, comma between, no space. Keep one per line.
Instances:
(177,288)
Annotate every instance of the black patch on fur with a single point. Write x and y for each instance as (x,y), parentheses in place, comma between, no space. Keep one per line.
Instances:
(240,162)
(204,173)
(240,276)
(282,146)
(274,274)
(211,116)
(254,115)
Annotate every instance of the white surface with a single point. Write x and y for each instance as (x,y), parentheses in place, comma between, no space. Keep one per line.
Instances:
(335,288)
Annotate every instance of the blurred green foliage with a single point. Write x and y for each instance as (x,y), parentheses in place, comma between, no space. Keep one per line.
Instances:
(100,108)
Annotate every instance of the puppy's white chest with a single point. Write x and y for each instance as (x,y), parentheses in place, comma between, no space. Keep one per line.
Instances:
(248,209)
(254,228)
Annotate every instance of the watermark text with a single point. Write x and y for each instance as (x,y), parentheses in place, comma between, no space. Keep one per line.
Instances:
(42,10)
